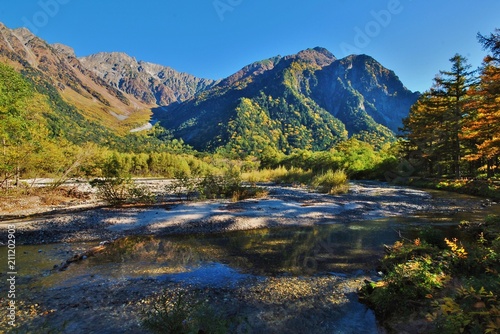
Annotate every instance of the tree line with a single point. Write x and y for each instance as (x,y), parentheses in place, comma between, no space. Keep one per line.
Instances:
(454,128)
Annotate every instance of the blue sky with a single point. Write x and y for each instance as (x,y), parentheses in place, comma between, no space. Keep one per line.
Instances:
(215,38)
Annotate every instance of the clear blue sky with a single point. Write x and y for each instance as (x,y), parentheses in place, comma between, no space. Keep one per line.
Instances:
(215,38)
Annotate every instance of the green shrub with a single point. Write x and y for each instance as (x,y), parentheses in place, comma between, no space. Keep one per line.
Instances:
(183,184)
(117,187)
(456,286)
(213,186)
(119,190)
(405,287)
(470,310)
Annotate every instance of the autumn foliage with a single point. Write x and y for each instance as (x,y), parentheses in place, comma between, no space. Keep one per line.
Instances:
(454,128)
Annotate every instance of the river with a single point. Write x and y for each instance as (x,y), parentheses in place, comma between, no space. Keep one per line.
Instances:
(296,268)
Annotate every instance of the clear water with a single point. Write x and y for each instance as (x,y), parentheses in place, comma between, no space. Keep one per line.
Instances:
(341,249)
(230,259)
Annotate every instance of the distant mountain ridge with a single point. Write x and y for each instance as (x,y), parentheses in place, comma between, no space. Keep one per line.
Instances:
(150,83)
(309,100)
(379,93)
(56,65)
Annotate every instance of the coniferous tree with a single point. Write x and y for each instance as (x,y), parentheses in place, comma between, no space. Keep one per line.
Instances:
(434,125)
(483,125)
(426,138)
(453,86)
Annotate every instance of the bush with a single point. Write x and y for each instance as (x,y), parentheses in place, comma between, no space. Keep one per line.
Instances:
(470,310)
(457,286)
(331,182)
(183,184)
(411,274)
(169,314)
(182,313)
(220,186)
(119,190)
(212,186)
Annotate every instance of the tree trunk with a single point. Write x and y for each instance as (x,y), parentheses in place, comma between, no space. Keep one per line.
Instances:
(489,170)
(16,182)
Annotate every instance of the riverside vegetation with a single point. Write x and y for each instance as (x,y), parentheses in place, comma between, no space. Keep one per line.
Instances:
(451,284)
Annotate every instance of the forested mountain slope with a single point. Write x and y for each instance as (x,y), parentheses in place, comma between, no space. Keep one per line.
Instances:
(309,100)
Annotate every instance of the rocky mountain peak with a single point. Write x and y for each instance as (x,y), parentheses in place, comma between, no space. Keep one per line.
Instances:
(151,83)
(24,34)
(307,100)
(64,49)
(319,56)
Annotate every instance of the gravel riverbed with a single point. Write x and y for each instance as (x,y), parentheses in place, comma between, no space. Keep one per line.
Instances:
(284,206)
(77,301)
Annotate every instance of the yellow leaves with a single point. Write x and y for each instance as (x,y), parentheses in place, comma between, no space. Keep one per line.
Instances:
(458,251)
(449,306)
(397,246)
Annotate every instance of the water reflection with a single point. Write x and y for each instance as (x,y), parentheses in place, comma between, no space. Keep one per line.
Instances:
(330,248)
(340,248)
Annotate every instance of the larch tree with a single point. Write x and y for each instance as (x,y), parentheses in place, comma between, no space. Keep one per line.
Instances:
(24,136)
(483,125)
(434,125)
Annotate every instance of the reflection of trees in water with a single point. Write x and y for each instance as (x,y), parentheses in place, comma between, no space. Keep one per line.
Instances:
(151,250)
(297,250)
(332,248)
(306,250)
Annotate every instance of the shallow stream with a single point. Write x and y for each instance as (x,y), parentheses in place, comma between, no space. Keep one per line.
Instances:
(262,260)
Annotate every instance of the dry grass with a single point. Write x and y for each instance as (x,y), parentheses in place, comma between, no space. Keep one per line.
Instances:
(331,182)
(249,192)
(24,198)
(101,114)
(279,175)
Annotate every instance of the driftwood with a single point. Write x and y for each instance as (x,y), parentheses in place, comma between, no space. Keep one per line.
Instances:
(82,256)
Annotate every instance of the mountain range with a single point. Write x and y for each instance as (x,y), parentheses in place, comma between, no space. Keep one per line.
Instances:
(150,83)
(309,100)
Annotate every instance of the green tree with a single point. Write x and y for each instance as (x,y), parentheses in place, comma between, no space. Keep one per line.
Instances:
(426,137)
(23,130)
(433,129)
(453,86)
